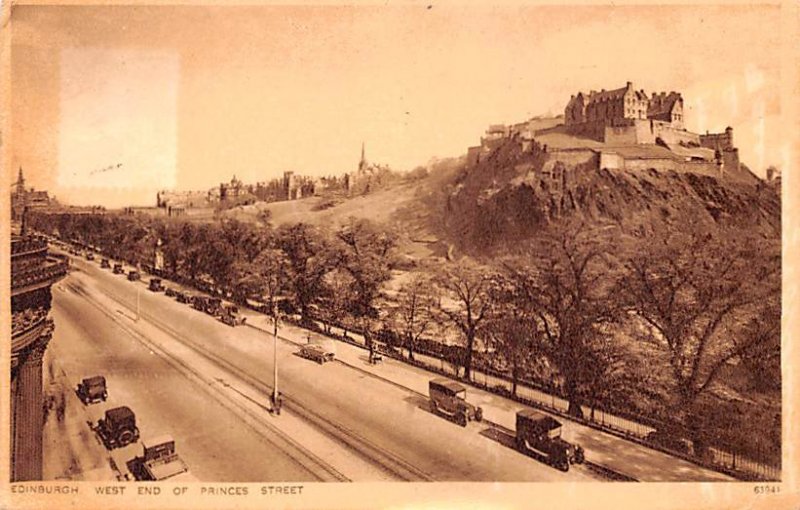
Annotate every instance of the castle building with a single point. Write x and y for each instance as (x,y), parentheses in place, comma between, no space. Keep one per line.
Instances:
(618,129)
(33,272)
(626,103)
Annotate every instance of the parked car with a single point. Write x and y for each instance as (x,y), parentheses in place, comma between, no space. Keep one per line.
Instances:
(118,428)
(160,461)
(133,275)
(214,306)
(169,292)
(105,264)
(155,285)
(89,256)
(230,316)
(449,398)
(183,297)
(118,269)
(93,389)
(539,435)
(199,303)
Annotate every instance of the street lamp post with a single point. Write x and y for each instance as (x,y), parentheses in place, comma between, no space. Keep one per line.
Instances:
(276,403)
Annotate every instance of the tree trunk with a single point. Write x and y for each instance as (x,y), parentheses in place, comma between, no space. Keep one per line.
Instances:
(514,380)
(468,356)
(574,399)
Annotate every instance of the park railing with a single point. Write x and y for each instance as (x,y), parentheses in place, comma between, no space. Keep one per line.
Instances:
(631,427)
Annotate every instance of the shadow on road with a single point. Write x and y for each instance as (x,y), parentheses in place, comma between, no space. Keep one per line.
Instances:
(500,434)
(420,402)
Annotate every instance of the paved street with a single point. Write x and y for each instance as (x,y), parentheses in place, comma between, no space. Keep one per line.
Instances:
(207,384)
(625,457)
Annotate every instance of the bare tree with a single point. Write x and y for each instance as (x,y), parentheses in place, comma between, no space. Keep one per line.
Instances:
(414,313)
(702,296)
(467,285)
(514,330)
(569,279)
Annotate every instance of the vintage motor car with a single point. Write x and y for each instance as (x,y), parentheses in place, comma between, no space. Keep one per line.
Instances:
(118,269)
(449,398)
(183,297)
(169,292)
(199,303)
(319,349)
(93,389)
(230,316)
(89,255)
(133,275)
(213,306)
(539,435)
(105,264)
(118,428)
(160,461)
(155,285)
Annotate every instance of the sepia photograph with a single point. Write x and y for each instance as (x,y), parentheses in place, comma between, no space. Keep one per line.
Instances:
(286,254)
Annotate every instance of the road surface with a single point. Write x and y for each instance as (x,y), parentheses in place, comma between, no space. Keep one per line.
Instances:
(357,427)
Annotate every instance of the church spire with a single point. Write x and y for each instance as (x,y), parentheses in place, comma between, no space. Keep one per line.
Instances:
(20,182)
(363,163)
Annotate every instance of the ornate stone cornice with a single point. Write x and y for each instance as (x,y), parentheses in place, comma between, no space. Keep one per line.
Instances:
(32,342)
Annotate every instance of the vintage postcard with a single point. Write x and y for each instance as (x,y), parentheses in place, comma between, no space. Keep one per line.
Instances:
(399,255)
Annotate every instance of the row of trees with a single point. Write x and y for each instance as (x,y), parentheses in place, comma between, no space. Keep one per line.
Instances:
(617,318)
(611,318)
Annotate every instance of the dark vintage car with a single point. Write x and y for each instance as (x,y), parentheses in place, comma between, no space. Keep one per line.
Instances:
(118,269)
(133,275)
(155,285)
(105,264)
(539,435)
(199,303)
(89,255)
(449,399)
(169,292)
(214,306)
(183,297)
(93,389)
(118,428)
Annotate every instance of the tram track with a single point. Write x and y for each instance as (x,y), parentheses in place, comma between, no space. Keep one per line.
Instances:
(361,446)
(314,465)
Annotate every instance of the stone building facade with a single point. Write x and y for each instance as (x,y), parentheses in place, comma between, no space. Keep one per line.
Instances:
(33,271)
(22,197)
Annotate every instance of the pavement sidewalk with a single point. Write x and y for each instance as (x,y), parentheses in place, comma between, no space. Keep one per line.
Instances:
(631,459)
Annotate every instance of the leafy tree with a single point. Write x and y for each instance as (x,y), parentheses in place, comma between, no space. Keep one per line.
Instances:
(336,299)
(267,277)
(309,259)
(365,252)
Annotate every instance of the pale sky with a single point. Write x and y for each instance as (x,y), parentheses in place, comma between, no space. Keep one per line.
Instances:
(185,97)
